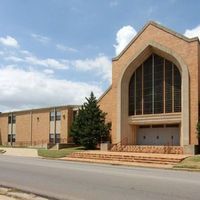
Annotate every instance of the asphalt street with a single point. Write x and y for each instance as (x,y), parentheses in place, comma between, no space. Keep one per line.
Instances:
(83,181)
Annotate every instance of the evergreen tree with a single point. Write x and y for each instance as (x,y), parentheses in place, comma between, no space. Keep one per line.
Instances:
(89,127)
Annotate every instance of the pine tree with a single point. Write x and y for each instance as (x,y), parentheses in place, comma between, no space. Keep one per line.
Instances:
(89,127)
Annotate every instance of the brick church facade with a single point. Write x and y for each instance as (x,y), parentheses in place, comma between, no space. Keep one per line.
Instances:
(155,92)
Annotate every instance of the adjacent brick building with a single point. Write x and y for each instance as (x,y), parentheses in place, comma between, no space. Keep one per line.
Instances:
(37,127)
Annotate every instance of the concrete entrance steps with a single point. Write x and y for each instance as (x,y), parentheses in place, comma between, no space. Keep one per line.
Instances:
(150,158)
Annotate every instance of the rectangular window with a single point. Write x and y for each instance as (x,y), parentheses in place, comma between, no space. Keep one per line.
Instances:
(147,91)
(52,115)
(139,91)
(14,119)
(168,86)
(11,137)
(51,137)
(132,95)
(158,84)
(58,116)
(9,119)
(177,90)
(57,137)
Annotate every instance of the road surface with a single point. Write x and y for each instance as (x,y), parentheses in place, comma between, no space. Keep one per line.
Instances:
(81,181)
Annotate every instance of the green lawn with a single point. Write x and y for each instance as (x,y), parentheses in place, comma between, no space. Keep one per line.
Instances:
(192,162)
(58,153)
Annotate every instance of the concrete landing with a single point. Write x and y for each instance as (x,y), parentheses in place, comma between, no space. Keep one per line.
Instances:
(26,152)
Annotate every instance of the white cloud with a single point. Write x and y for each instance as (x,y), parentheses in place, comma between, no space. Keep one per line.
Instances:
(22,89)
(123,37)
(9,41)
(48,71)
(49,62)
(26,57)
(195,32)
(13,58)
(40,38)
(65,48)
(25,52)
(27,81)
(101,65)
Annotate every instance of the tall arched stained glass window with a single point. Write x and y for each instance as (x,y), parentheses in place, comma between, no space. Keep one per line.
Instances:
(155,87)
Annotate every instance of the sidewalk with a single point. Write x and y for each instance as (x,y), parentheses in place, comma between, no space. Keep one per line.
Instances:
(13,194)
(19,152)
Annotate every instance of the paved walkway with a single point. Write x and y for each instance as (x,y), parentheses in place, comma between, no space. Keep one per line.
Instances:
(20,152)
(13,194)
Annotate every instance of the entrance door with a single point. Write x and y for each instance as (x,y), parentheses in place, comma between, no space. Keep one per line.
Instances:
(158,135)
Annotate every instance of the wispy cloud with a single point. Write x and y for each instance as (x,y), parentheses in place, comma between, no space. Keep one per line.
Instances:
(65,48)
(13,58)
(48,71)
(101,65)
(9,41)
(49,62)
(40,38)
(32,60)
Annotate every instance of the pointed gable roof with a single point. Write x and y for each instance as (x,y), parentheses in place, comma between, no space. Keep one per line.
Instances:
(161,27)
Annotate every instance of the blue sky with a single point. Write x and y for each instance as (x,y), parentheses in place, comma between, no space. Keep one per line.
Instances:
(54,52)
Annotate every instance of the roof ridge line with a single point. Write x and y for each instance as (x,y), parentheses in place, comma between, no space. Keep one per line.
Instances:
(160,26)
